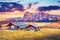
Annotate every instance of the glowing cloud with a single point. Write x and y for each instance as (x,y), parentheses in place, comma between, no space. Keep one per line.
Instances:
(55,12)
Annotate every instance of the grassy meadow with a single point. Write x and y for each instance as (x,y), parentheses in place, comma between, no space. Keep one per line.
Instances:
(43,34)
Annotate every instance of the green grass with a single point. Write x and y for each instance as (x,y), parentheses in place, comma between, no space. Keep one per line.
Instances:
(43,34)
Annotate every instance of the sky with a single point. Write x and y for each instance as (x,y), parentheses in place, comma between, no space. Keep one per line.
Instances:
(35,5)
(41,2)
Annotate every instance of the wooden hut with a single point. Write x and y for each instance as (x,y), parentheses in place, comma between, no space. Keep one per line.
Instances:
(31,28)
(13,27)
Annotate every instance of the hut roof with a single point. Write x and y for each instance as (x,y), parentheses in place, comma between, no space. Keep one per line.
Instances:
(23,25)
(20,24)
(30,26)
(35,25)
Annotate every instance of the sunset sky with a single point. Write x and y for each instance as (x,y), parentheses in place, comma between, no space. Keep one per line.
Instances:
(35,5)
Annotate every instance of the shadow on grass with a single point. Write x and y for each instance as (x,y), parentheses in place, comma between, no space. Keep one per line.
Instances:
(52,37)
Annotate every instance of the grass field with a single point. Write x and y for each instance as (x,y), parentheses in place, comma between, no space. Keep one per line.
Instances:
(43,34)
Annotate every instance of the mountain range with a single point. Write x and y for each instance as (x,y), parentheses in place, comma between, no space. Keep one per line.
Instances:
(40,17)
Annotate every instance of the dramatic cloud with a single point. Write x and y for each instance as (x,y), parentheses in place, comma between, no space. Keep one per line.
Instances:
(49,8)
(36,3)
(30,5)
(7,6)
(58,1)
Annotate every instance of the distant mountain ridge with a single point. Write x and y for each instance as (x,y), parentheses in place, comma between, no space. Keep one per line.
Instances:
(40,17)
